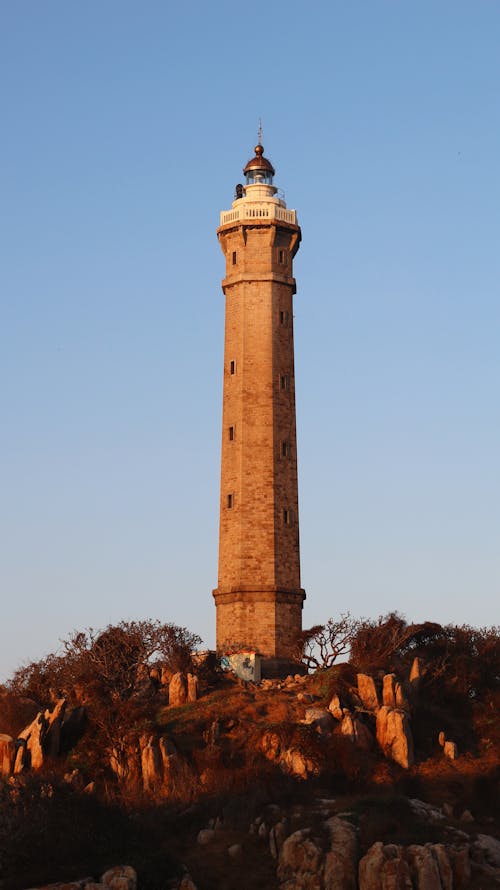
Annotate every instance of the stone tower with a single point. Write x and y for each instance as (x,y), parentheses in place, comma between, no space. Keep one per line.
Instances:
(259,598)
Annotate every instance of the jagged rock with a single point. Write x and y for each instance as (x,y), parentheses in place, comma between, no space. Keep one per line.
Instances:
(187,883)
(151,763)
(389,691)
(192,687)
(206,836)
(460,864)
(42,737)
(357,732)
(425,810)
(320,718)
(121,877)
(165,676)
(277,837)
(305,697)
(370,868)
(487,848)
(367,692)
(235,851)
(442,738)
(394,735)
(340,866)
(401,699)
(7,755)
(212,734)
(291,760)
(304,864)
(450,750)
(335,708)
(439,851)
(262,831)
(177,690)
(296,763)
(467,817)
(415,674)
(384,868)
(424,868)
(299,862)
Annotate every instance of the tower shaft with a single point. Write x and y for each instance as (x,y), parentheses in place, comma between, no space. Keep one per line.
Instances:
(259,597)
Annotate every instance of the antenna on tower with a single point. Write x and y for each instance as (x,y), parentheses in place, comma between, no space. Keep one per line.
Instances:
(259,132)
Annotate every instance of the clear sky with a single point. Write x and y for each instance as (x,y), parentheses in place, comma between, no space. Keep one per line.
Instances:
(124,128)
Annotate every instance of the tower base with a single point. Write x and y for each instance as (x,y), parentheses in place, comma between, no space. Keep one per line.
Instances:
(266,621)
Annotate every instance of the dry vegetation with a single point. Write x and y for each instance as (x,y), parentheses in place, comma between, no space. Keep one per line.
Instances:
(49,830)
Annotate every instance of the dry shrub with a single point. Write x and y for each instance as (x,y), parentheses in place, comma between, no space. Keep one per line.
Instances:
(16,712)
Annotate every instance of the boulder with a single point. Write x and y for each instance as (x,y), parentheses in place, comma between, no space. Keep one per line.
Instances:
(367,692)
(357,732)
(450,750)
(151,764)
(401,698)
(296,763)
(394,735)
(121,877)
(335,708)
(192,687)
(487,848)
(389,691)
(384,868)
(187,883)
(340,866)
(461,868)
(277,837)
(299,862)
(8,749)
(424,868)
(415,674)
(440,853)
(42,736)
(177,690)
(320,719)
(206,836)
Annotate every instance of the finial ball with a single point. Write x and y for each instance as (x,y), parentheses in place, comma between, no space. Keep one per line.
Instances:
(259,149)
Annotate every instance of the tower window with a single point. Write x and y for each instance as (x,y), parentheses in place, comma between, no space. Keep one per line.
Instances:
(284,317)
(285,448)
(231,433)
(234,257)
(230,501)
(232,367)
(282,256)
(287,517)
(284,381)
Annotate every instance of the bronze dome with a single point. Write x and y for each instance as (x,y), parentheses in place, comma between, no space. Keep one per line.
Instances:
(259,162)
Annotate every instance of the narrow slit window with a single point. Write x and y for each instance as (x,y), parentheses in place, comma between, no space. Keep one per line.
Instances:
(232,367)
(284,317)
(282,256)
(230,501)
(287,517)
(234,257)
(284,381)
(285,448)
(231,433)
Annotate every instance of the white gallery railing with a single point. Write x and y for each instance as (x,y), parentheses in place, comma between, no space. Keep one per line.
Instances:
(258,211)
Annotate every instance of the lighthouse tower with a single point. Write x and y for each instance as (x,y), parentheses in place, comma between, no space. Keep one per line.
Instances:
(259,598)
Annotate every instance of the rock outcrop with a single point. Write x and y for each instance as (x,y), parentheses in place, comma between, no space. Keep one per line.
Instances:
(367,692)
(394,735)
(307,862)
(290,759)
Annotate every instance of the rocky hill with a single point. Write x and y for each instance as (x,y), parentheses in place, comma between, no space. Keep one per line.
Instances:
(357,776)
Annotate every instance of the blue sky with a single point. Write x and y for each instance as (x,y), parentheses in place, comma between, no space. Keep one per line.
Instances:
(124,129)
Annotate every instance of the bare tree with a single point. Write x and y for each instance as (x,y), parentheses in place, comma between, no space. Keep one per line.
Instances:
(320,646)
